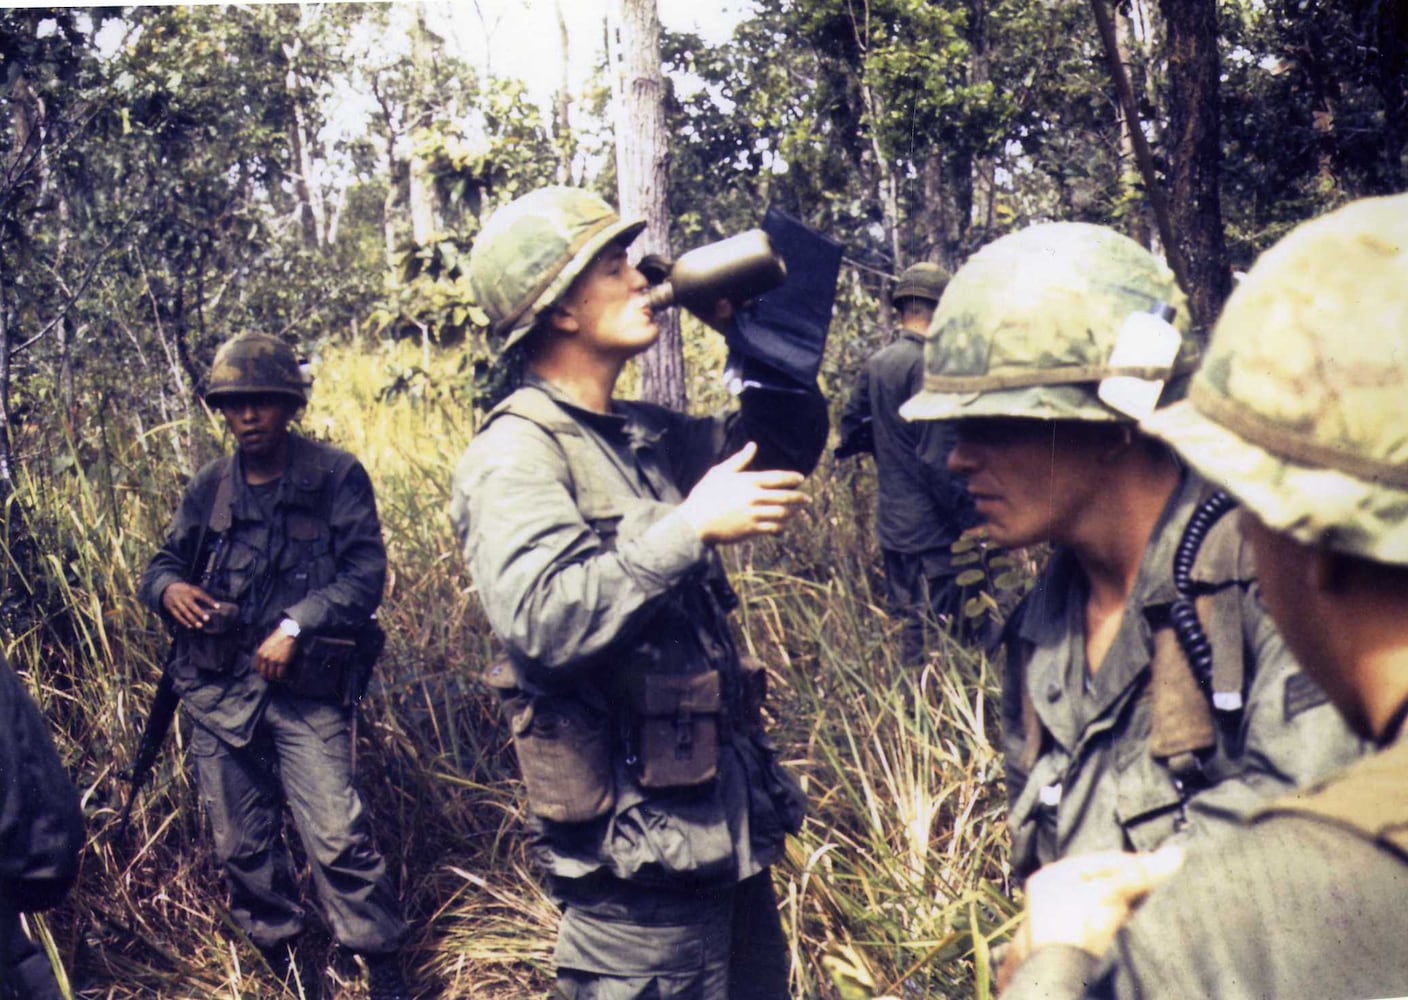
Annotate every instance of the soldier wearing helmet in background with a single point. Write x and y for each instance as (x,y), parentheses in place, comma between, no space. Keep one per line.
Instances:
(269,577)
(592,528)
(922,508)
(1146,693)
(1300,412)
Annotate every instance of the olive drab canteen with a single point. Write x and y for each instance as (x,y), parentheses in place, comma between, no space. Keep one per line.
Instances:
(921,281)
(1028,325)
(531,250)
(255,363)
(1301,407)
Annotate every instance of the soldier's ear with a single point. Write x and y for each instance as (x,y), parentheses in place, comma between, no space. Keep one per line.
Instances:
(1330,571)
(563,319)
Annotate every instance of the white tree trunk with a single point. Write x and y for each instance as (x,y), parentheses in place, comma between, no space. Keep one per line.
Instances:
(420,187)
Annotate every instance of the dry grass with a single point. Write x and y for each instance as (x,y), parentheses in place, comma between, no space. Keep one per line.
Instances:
(896,887)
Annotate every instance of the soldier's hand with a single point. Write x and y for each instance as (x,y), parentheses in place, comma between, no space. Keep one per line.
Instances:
(731,504)
(188,604)
(1086,899)
(721,316)
(274,655)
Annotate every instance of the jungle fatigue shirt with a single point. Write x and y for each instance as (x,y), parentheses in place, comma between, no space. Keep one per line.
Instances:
(920,506)
(1298,903)
(320,560)
(573,600)
(1095,785)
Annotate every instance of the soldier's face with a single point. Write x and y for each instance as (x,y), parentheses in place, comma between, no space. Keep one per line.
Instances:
(606,307)
(259,421)
(1031,480)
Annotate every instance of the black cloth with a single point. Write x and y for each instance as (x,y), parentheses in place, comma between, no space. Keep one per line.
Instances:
(41,835)
(785,329)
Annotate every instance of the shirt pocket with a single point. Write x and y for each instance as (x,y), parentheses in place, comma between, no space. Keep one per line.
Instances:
(1148,802)
(306,563)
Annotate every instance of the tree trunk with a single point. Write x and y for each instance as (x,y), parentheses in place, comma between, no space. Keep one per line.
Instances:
(420,188)
(563,136)
(1131,199)
(388,205)
(1194,145)
(643,179)
(310,208)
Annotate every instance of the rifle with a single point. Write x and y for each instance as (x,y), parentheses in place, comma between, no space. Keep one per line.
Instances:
(164,702)
(158,724)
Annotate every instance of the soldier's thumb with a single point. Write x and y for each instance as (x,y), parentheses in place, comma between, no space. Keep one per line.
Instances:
(740,459)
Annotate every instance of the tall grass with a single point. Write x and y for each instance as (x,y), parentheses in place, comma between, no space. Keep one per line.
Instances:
(895,887)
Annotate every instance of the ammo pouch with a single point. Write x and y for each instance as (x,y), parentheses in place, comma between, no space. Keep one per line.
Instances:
(563,744)
(335,668)
(755,694)
(215,646)
(674,728)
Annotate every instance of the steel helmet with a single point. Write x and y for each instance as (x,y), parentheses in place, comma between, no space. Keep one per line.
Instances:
(531,250)
(921,281)
(1027,326)
(255,363)
(1301,408)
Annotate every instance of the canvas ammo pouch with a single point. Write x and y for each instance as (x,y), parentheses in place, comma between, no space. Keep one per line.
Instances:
(754,677)
(214,647)
(335,668)
(563,744)
(674,728)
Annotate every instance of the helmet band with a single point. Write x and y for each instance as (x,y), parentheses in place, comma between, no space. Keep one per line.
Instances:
(1291,445)
(1064,375)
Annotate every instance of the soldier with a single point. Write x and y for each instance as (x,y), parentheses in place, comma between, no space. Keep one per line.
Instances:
(1115,738)
(591,527)
(922,508)
(269,577)
(41,835)
(1300,411)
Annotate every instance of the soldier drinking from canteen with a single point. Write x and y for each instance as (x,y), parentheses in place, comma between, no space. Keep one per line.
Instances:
(1300,412)
(592,528)
(270,576)
(1146,693)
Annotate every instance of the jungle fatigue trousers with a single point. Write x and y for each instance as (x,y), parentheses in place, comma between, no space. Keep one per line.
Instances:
(300,753)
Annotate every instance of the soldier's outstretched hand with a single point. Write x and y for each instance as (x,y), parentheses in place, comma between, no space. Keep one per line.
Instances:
(1085,899)
(731,503)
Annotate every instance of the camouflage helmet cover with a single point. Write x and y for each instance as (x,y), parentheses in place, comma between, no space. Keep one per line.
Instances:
(532,249)
(255,363)
(1300,409)
(921,281)
(1027,325)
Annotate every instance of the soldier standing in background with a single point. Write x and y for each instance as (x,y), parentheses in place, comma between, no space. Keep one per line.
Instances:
(41,835)
(592,527)
(269,577)
(922,508)
(1146,693)
(1300,411)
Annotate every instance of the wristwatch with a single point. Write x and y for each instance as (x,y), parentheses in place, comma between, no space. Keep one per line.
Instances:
(290,628)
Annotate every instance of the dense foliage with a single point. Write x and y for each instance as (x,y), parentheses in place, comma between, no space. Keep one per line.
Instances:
(172,175)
